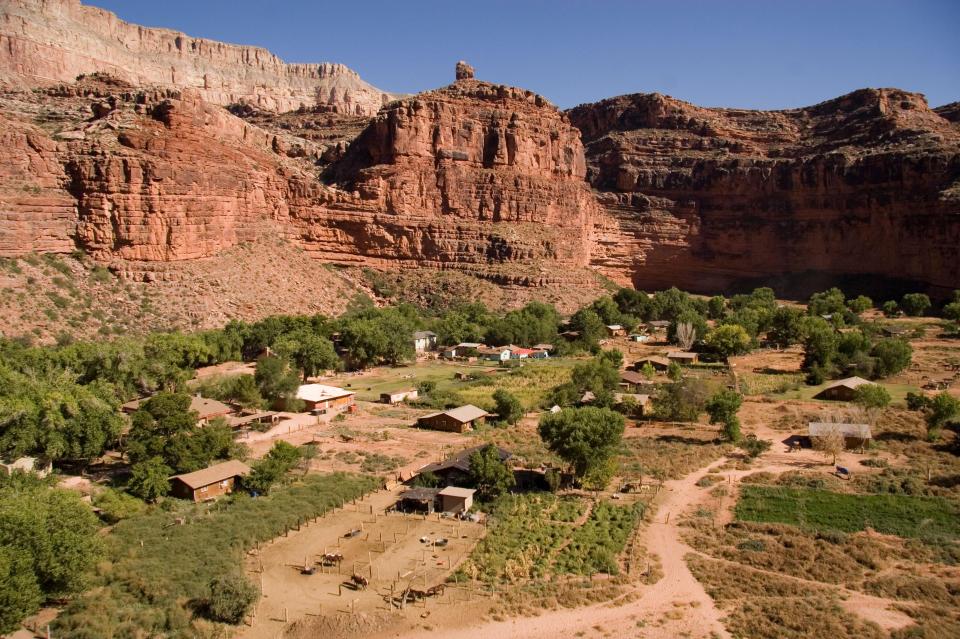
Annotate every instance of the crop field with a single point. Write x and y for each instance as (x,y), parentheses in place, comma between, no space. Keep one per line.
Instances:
(535,536)
(159,560)
(925,518)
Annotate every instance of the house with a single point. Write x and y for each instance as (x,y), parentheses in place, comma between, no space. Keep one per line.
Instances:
(540,353)
(658,363)
(420,500)
(40,467)
(495,353)
(543,347)
(854,435)
(455,420)
(424,341)
(638,337)
(634,381)
(209,483)
(206,408)
(659,325)
(682,357)
(517,352)
(322,399)
(398,397)
(454,499)
(570,336)
(456,469)
(844,390)
(463,349)
(616,330)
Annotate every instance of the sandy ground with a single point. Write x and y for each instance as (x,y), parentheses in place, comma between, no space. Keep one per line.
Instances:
(390,551)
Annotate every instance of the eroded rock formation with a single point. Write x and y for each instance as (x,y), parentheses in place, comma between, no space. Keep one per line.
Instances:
(48,41)
(863,186)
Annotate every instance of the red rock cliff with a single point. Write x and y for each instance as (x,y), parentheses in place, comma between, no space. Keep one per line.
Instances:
(48,41)
(862,186)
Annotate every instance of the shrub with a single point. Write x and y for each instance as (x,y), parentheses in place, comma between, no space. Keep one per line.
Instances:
(915,304)
(230,599)
(508,407)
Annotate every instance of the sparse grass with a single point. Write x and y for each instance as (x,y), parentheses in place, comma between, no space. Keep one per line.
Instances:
(927,518)
(667,456)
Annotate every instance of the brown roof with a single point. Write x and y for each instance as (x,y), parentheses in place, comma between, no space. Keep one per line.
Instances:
(630,377)
(653,359)
(214,474)
(204,406)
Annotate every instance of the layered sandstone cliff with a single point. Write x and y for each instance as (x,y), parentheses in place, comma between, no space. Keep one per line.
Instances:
(476,177)
(863,187)
(48,41)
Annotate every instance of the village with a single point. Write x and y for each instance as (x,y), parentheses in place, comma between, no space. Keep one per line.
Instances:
(420,548)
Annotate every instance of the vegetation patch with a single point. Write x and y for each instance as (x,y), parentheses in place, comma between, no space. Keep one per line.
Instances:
(927,518)
(595,546)
(156,563)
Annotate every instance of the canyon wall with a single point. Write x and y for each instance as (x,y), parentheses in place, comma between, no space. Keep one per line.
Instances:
(864,189)
(48,41)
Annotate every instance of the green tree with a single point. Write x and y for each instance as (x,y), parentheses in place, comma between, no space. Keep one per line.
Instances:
(891,356)
(310,352)
(754,447)
(279,460)
(585,438)
(942,409)
(230,598)
(872,396)
(727,340)
(826,303)
(722,408)
(787,326)
(674,372)
(275,378)
(149,479)
(590,326)
(716,307)
(820,346)
(890,308)
(915,304)
(860,304)
(508,407)
(681,401)
(951,311)
(648,370)
(490,475)
(48,545)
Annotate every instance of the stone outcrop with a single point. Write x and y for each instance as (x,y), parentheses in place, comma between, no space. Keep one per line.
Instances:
(47,41)
(463,71)
(864,188)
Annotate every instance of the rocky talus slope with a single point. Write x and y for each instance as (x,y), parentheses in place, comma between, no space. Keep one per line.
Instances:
(48,41)
(862,188)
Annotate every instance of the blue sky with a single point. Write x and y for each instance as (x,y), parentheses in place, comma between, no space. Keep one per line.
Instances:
(749,53)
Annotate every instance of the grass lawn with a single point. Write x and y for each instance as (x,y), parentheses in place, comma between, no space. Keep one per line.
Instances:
(898,392)
(155,566)
(926,518)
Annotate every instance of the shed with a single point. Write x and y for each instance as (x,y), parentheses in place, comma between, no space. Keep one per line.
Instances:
(495,353)
(325,399)
(397,397)
(642,400)
(658,363)
(209,483)
(421,500)
(843,390)
(659,325)
(634,381)
(454,499)
(455,420)
(854,435)
(616,330)
(682,357)
(638,337)
(517,352)
(543,347)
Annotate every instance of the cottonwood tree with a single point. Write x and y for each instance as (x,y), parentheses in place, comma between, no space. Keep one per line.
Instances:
(585,438)
(722,408)
(508,407)
(491,475)
(149,479)
(686,335)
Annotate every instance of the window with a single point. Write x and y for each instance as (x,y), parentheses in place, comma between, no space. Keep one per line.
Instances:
(203,489)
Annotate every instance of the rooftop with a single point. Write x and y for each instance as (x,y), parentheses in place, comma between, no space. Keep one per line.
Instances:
(204,406)
(849,382)
(456,491)
(466,413)
(320,392)
(214,474)
(424,334)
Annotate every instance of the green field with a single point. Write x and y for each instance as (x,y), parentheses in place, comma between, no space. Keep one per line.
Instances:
(530,383)
(927,518)
(528,535)
(155,565)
